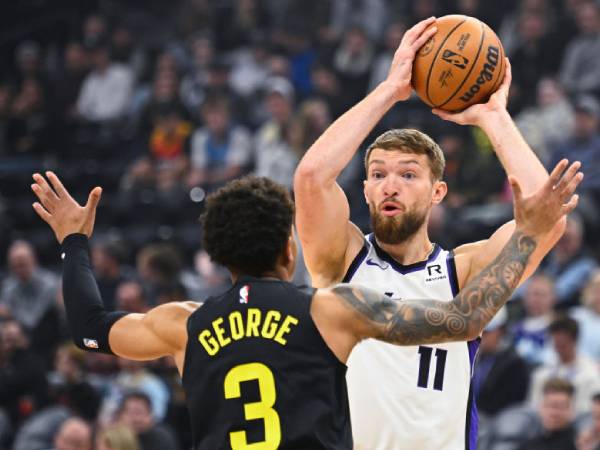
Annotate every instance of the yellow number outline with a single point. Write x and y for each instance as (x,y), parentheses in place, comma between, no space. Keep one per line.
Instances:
(258,410)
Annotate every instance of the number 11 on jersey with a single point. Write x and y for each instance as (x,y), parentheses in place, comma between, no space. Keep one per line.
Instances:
(425,363)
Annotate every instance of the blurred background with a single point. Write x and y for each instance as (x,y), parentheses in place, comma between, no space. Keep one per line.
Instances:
(161,102)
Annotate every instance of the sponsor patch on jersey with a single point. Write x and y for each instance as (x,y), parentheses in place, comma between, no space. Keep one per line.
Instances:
(434,273)
(381,264)
(244,293)
(90,343)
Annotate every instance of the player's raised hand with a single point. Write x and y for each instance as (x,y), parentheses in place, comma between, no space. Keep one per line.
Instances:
(59,210)
(537,213)
(400,73)
(476,114)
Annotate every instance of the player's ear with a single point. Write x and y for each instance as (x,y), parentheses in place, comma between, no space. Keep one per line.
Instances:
(440,189)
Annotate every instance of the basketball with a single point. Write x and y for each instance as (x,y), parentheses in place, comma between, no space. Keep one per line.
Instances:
(462,64)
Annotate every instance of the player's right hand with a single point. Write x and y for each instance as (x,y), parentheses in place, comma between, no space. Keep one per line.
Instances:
(536,214)
(59,210)
(400,73)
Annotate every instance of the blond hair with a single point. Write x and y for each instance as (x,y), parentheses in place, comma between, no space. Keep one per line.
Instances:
(120,438)
(411,141)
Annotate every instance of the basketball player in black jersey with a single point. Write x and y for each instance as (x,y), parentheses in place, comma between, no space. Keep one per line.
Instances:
(263,364)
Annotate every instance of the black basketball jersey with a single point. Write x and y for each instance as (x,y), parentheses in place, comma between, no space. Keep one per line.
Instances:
(258,375)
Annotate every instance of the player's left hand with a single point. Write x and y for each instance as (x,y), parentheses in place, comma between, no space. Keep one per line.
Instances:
(476,114)
(59,210)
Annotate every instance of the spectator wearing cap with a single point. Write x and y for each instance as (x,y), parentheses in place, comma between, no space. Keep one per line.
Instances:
(500,376)
(570,365)
(221,150)
(584,144)
(107,89)
(274,155)
(580,70)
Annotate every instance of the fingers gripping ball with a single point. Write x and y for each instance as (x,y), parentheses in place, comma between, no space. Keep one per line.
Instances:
(462,64)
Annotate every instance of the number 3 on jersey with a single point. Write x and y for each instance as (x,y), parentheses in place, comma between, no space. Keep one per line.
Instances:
(425,362)
(258,410)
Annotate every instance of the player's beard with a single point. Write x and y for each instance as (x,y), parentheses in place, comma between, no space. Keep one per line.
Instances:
(396,229)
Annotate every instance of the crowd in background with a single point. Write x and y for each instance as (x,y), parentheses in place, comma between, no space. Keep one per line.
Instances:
(161,103)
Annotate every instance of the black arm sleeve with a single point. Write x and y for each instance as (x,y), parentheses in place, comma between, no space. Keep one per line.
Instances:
(88,321)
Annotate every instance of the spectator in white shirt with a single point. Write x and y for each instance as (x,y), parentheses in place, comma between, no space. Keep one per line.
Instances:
(107,89)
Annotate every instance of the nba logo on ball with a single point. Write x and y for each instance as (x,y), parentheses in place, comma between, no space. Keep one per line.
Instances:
(462,64)
(244,291)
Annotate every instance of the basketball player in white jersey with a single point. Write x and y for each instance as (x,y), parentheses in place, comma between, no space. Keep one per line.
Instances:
(411,398)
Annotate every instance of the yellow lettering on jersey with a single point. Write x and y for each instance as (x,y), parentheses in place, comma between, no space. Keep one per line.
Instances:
(270,324)
(208,342)
(220,332)
(236,324)
(254,318)
(285,328)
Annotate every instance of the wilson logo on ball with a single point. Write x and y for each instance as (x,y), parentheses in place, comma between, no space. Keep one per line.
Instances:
(486,74)
(454,58)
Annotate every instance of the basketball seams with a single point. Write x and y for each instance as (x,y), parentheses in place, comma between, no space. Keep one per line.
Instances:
(468,73)
(433,61)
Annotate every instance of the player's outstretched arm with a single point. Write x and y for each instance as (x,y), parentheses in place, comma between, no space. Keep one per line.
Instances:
(518,160)
(322,211)
(158,333)
(360,313)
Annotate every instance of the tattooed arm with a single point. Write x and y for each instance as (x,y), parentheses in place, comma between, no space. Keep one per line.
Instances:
(408,322)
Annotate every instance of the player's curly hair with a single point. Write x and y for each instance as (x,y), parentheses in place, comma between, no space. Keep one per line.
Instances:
(247,224)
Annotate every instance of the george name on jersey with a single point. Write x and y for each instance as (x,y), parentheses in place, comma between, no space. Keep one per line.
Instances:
(251,323)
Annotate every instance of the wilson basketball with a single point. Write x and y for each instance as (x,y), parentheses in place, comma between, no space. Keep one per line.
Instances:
(462,64)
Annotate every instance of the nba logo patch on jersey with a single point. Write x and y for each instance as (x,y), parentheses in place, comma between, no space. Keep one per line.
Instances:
(90,343)
(244,292)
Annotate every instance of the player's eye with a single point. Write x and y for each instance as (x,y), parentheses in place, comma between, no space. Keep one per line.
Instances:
(409,175)
(377,175)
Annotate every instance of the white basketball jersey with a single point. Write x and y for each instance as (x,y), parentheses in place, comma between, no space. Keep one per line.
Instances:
(418,397)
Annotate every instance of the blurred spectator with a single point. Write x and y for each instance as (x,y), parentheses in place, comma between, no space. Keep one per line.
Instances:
(370,15)
(250,67)
(194,84)
(30,291)
(39,430)
(584,144)
(569,264)
(29,129)
(23,384)
(352,62)
(73,434)
(580,71)
(68,386)
(500,377)
(125,51)
(193,16)
(556,411)
(531,333)
(135,413)
(130,297)
(383,61)
(532,59)
(549,122)
(160,268)
(5,109)
(238,21)
(135,376)
(589,438)
(571,365)
(94,29)
(29,63)
(117,438)
(66,85)
(210,278)
(326,87)
(588,318)
(107,89)
(274,156)
(107,261)
(221,150)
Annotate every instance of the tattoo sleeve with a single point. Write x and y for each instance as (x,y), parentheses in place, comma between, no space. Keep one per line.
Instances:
(409,322)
